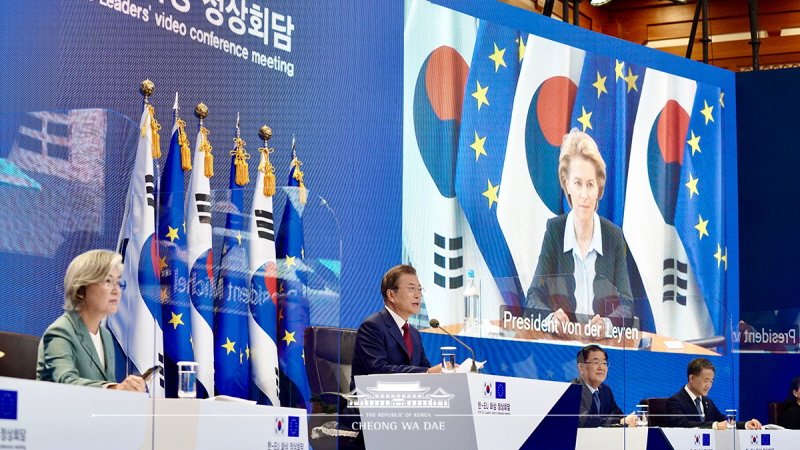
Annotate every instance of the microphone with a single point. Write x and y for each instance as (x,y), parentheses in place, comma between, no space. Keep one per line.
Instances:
(435,324)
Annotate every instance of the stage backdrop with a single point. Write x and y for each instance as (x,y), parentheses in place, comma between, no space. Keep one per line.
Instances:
(431,133)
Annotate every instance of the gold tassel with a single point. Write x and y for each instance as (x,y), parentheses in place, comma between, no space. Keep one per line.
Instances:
(268,170)
(186,153)
(242,177)
(298,175)
(269,184)
(154,127)
(208,160)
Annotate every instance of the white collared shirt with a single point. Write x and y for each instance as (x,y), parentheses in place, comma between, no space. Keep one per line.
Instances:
(97,340)
(397,319)
(584,265)
(693,397)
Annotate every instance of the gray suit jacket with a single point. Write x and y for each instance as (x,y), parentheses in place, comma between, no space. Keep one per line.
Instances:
(67,354)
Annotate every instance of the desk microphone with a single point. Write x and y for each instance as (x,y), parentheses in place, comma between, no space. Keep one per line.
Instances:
(435,324)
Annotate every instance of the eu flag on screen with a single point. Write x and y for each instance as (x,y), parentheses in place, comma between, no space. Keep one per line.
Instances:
(232,351)
(700,212)
(605,109)
(293,311)
(482,147)
(175,301)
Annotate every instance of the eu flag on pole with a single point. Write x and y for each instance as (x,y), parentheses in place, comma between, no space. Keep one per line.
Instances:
(605,108)
(136,326)
(175,301)
(293,312)
(200,261)
(264,293)
(699,212)
(482,144)
(232,351)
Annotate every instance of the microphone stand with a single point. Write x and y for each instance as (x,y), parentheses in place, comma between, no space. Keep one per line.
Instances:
(474,369)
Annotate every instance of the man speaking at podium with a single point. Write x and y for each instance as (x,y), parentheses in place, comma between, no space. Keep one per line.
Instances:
(385,342)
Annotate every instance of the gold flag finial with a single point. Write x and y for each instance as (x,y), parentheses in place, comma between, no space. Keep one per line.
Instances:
(147,88)
(266,167)
(201,112)
(265,133)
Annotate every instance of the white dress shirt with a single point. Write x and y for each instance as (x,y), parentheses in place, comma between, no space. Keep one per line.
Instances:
(584,264)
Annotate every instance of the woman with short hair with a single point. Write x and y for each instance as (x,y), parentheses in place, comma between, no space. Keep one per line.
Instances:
(582,273)
(75,349)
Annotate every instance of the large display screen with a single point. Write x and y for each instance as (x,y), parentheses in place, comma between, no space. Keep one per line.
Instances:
(431,137)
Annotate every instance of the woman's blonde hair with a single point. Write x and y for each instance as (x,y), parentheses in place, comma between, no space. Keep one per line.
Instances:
(87,268)
(578,144)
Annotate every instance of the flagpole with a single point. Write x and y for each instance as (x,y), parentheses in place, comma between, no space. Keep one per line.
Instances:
(199,251)
(265,133)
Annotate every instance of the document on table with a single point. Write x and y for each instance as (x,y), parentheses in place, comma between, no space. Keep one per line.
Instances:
(466,366)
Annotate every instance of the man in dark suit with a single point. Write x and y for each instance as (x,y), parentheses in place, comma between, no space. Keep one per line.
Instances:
(598,407)
(385,342)
(690,407)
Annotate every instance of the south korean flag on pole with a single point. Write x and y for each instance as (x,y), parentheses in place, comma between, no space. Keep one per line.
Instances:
(136,326)
(200,260)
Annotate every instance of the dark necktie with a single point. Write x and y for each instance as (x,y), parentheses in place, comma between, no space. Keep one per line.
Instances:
(407,338)
(596,398)
(697,402)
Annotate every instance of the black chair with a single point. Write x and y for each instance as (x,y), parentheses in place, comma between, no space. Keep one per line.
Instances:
(775,410)
(657,411)
(20,353)
(329,358)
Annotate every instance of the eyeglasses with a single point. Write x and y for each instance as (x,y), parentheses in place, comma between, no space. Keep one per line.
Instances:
(598,363)
(108,284)
(413,289)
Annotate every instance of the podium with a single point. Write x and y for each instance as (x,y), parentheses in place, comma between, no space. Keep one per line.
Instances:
(42,415)
(685,439)
(465,411)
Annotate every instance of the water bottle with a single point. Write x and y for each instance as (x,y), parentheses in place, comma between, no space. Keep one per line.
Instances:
(472,306)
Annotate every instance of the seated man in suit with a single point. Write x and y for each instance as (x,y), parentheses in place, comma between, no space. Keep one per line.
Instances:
(690,407)
(385,342)
(598,407)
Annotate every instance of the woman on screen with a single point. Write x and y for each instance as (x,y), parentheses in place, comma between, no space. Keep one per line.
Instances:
(791,408)
(75,349)
(582,273)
